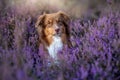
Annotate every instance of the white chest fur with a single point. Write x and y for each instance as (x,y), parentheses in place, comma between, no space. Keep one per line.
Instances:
(55,47)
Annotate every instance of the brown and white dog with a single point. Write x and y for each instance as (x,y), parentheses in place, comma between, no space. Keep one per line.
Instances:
(53,30)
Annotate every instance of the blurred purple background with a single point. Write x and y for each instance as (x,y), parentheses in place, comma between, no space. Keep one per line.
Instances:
(95,35)
(76,8)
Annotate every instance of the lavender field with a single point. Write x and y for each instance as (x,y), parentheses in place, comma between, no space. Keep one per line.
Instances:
(95,54)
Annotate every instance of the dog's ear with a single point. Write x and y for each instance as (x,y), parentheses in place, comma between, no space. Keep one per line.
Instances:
(64,17)
(66,21)
(40,21)
(39,25)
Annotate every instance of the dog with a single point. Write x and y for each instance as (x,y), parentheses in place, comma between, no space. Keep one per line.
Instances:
(53,31)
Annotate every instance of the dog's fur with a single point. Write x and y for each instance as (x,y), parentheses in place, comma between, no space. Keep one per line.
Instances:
(53,30)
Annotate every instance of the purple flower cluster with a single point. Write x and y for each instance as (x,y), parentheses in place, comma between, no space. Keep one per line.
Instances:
(95,54)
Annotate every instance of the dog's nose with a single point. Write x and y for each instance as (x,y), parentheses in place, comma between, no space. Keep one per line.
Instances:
(57,30)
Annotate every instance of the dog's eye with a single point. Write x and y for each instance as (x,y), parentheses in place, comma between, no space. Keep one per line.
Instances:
(49,22)
(60,23)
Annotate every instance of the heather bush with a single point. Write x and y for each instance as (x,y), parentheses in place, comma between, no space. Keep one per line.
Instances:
(95,54)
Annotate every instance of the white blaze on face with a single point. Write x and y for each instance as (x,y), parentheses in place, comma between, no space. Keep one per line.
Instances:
(55,26)
(55,47)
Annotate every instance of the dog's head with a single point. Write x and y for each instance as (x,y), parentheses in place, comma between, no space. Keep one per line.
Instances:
(55,24)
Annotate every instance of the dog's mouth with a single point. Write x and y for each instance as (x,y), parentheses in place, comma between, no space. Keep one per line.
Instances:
(58,33)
